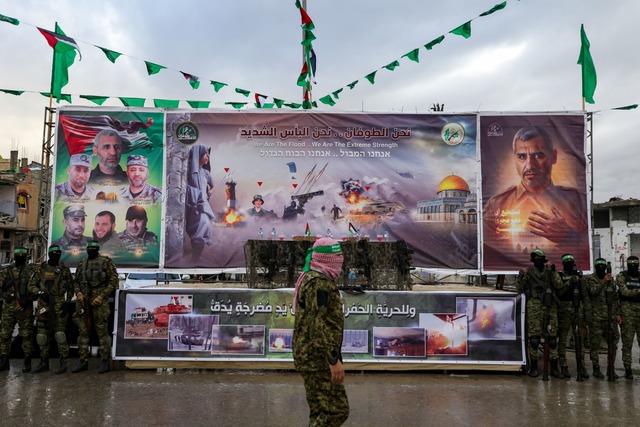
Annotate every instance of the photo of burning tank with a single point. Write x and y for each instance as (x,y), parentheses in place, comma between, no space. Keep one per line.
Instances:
(280,340)
(446,333)
(237,339)
(489,318)
(191,332)
(399,342)
(148,315)
(355,341)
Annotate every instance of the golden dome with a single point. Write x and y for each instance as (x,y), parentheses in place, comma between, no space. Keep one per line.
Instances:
(453,182)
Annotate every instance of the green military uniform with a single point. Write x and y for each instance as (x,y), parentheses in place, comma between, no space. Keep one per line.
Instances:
(567,313)
(629,286)
(533,283)
(17,307)
(317,340)
(95,278)
(600,317)
(54,291)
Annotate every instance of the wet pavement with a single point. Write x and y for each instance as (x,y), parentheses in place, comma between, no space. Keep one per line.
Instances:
(199,397)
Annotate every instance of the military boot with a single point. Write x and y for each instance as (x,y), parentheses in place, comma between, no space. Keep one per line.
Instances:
(596,371)
(628,374)
(555,372)
(63,366)
(533,369)
(105,366)
(26,366)
(584,373)
(565,372)
(43,366)
(4,363)
(83,366)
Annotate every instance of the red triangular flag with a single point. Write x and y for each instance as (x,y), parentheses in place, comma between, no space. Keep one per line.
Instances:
(259,183)
(366,187)
(226,169)
(294,185)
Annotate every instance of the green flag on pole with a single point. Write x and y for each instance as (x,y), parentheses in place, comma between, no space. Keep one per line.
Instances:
(589,78)
(64,54)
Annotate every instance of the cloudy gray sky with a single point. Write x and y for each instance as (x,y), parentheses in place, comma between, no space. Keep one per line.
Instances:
(520,59)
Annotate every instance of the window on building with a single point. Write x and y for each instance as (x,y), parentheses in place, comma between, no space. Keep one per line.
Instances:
(601,218)
(22,200)
(634,215)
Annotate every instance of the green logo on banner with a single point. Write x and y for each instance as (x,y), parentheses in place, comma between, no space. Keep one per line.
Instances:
(187,133)
(452,133)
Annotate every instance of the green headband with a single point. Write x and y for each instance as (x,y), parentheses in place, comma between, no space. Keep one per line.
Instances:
(601,262)
(633,261)
(331,249)
(93,244)
(19,251)
(55,248)
(568,257)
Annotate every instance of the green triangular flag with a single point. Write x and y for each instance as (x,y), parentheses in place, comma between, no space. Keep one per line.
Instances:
(199,104)
(217,85)
(413,55)
(98,100)
(315,104)
(352,84)
(371,77)
(298,5)
(132,102)
(63,96)
(463,30)
(153,68)
(307,38)
(292,105)
(112,55)
(392,65)
(278,102)
(336,93)
(236,105)
(627,107)
(9,20)
(495,9)
(166,103)
(327,100)
(12,92)
(433,42)
(243,92)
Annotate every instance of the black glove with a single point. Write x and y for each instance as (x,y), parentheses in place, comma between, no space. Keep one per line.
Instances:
(66,308)
(44,296)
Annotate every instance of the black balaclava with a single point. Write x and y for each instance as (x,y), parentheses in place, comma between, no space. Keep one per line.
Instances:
(93,249)
(568,263)
(632,266)
(601,267)
(54,255)
(20,256)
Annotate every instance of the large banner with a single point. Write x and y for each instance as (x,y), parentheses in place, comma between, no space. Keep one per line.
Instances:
(232,177)
(241,325)
(534,190)
(108,185)
(185,190)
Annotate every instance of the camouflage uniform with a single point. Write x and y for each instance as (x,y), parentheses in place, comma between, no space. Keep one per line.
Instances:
(566,315)
(64,193)
(131,242)
(630,310)
(317,339)
(17,306)
(531,282)
(57,283)
(66,243)
(149,194)
(97,277)
(600,320)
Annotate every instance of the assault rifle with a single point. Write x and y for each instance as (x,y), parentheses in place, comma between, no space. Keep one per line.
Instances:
(547,299)
(577,336)
(610,294)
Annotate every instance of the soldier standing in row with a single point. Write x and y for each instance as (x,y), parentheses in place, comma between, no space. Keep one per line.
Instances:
(600,285)
(96,279)
(539,283)
(629,285)
(54,292)
(17,306)
(571,283)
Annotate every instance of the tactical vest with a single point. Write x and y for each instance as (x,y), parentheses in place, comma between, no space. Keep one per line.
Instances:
(50,281)
(535,288)
(94,272)
(631,285)
(20,281)
(566,293)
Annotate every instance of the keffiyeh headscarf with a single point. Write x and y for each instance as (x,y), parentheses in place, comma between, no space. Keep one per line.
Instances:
(324,257)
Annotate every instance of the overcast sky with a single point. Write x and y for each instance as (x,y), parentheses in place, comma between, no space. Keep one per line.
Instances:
(519,59)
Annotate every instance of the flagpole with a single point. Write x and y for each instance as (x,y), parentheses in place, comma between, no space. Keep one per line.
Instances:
(306,61)
(53,64)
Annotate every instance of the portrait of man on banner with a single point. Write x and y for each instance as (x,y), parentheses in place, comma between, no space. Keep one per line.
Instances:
(103,163)
(534,190)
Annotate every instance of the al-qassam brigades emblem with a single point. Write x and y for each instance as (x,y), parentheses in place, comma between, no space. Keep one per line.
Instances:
(187,133)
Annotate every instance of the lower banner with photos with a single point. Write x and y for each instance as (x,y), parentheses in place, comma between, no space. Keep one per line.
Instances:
(224,324)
